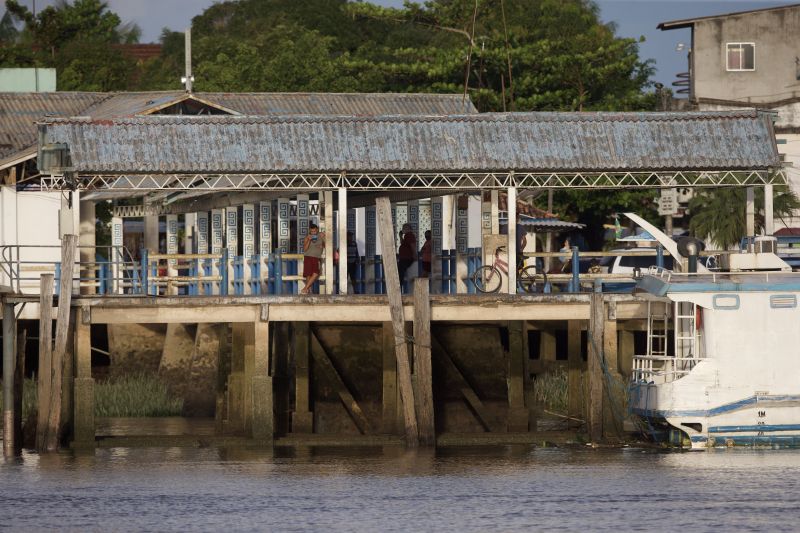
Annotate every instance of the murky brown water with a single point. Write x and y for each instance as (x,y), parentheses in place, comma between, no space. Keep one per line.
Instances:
(469,489)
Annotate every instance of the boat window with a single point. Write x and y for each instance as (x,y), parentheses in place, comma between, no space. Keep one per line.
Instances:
(783,301)
(643,261)
(726,301)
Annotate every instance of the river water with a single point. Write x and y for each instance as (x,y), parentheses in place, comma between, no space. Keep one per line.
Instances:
(390,489)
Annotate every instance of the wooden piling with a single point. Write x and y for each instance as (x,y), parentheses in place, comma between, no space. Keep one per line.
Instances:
(611,426)
(68,248)
(422,362)
(595,402)
(392,277)
(574,368)
(19,383)
(518,415)
(43,382)
(83,384)
(9,352)
(302,417)
(389,389)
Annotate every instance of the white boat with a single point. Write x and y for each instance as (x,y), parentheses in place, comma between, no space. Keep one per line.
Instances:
(723,356)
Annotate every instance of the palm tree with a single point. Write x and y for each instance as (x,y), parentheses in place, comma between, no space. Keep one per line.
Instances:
(719,214)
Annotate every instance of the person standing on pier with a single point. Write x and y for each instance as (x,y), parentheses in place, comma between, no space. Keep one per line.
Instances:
(313,245)
(352,259)
(407,253)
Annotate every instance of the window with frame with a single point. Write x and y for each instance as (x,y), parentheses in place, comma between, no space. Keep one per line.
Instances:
(741,56)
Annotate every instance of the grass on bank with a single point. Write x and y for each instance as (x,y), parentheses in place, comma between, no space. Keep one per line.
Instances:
(136,395)
(551,389)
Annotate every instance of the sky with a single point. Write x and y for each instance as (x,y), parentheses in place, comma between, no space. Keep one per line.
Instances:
(634,18)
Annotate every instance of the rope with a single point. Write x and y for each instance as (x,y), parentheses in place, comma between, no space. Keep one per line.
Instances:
(409,339)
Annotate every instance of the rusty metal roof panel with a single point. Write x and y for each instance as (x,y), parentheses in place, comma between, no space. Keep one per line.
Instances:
(525,142)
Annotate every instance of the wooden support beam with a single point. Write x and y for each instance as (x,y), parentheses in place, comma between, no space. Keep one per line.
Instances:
(626,351)
(84,386)
(43,383)
(518,415)
(612,402)
(68,248)
(423,370)
(322,358)
(574,368)
(594,408)
(547,348)
(235,420)
(9,352)
(483,416)
(390,392)
(391,275)
(19,383)
(303,416)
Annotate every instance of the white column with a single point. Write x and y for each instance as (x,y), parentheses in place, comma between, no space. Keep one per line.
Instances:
(190,233)
(462,242)
(265,228)
(302,220)
(342,241)
(284,227)
(231,241)
(86,239)
(750,211)
(512,240)
(66,215)
(769,216)
(172,248)
(437,235)
(217,241)
(116,256)
(248,242)
(330,246)
(202,246)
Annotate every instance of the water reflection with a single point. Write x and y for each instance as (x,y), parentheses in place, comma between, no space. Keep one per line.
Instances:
(511,488)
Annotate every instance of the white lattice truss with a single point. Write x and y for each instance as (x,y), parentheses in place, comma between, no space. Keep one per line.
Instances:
(390,181)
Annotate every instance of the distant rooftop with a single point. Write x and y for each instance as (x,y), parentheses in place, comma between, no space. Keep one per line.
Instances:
(686,23)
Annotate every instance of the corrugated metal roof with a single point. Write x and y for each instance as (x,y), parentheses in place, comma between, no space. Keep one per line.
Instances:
(533,142)
(20,111)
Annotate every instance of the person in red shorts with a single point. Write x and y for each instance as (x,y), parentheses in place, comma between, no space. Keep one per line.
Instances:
(313,245)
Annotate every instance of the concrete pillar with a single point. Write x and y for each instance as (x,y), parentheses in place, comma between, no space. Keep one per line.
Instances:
(9,353)
(231,242)
(235,422)
(512,240)
(172,248)
(342,238)
(190,233)
(769,216)
(265,228)
(750,211)
(517,412)
(302,417)
(462,242)
(86,240)
(116,256)
(218,242)
(261,385)
(437,236)
(83,385)
(66,215)
(574,368)
(302,220)
(248,244)
(284,227)
(330,245)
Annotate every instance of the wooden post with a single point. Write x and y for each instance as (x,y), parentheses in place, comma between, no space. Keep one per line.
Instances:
(626,349)
(9,352)
(518,415)
(611,362)
(574,368)
(19,383)
(261,384)
(389,425)
(43,382)
(547,348)
(512,240)
(391,274)
(422,362)
(342,238)
(595,407)
(236,380)
(69,243)
(83,385)
(302,417)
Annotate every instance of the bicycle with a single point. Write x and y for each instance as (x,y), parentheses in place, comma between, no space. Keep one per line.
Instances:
(490,278)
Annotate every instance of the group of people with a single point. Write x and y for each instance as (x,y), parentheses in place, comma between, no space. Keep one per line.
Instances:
(407,255)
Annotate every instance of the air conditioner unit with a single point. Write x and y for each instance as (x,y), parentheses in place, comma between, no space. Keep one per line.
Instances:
(765,245)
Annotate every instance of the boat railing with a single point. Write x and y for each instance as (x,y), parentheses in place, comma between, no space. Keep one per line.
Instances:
(661,368)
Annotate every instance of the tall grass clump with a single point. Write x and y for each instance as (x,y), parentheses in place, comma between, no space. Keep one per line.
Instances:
(135,395)
(551,389)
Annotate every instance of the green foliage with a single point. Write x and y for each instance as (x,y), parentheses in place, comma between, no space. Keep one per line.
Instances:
(551,389)
(719,214)
(137,395)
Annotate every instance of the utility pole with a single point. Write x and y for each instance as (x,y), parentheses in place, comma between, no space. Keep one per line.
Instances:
(188,78)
